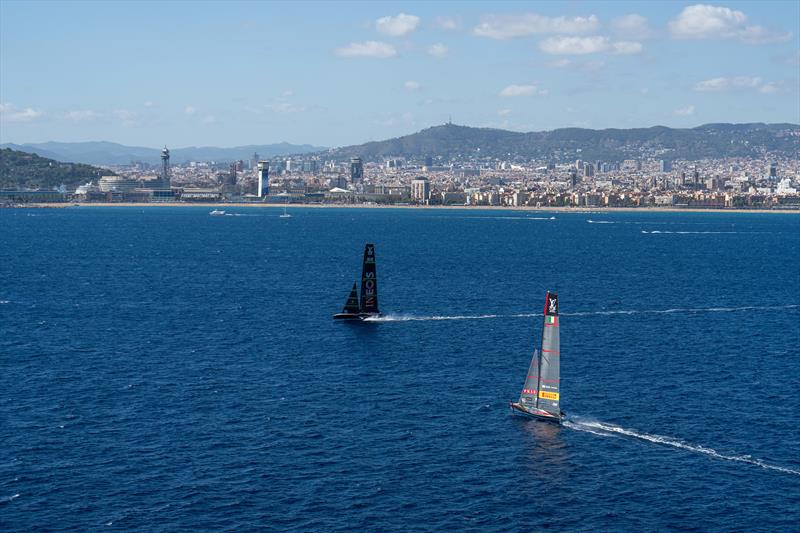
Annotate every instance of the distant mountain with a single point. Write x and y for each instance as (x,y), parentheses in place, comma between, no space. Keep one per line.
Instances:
(24,170)
(567,144)
(108,153)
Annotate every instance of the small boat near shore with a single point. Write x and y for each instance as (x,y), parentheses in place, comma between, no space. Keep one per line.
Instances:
(540,397)
(367,306)
(217,213)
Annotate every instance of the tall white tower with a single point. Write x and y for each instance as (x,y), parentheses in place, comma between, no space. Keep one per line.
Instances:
(165,178)
(263,179)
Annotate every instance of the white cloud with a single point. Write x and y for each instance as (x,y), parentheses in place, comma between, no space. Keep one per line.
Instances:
(448,23)
(521,25)
(703,21)
(189,110)
(721,84)
(503,112)
(522,90)
(574,45)
(583,66)
(367,49)
(287,93)
(124,114)
(626,47)
(149,104)
(684,111)
(737,83)
(632,26)
(769,88)
(81,115)
(587,45)
(438,50)
(412,85)
(286,107)
(209,119)
(128,118)
(11,113)
(397,26)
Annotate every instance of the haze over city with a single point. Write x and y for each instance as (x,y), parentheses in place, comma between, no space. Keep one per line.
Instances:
(328,74)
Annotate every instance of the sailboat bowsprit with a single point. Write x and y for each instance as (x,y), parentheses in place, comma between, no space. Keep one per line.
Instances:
(367,306)
(540,396)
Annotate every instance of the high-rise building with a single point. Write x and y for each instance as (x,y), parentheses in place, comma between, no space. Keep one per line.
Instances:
(428,161)
(588,170)
(165,177)
(573,177)
(356,170)
(421,190)
(664,165)
(773,170)
(263,179)
(254,160)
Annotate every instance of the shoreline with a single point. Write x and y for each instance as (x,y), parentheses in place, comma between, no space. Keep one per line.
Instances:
(548,209)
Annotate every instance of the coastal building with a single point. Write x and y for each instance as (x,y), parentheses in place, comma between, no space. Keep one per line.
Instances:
(263,179)
(116,184)
(421,190)
(356,170)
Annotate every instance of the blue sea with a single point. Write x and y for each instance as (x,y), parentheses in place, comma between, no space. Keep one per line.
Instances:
(165,370)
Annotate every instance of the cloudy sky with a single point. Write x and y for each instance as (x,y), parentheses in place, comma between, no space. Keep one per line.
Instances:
(332,74)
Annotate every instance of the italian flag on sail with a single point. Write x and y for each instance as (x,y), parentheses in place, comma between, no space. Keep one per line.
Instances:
(550,320)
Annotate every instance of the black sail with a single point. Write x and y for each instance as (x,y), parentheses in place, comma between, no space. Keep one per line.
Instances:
(351,306)
(369,282)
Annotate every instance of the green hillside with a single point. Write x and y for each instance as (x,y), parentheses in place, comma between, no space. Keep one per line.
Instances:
(21,170)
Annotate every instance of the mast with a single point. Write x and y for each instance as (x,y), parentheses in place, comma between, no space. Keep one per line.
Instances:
(549,374)
(369,282)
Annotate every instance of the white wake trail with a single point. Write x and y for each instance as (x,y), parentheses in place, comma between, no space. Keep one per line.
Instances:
(685,310)
(610,430)
(665,232)
(413,318)
(425,318)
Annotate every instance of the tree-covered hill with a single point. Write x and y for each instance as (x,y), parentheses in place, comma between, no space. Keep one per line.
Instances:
(21,170)
(562,145)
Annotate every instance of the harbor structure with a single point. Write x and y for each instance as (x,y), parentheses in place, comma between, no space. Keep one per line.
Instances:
(165,177)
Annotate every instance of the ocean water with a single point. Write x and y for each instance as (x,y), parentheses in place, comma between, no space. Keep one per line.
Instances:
(164,370)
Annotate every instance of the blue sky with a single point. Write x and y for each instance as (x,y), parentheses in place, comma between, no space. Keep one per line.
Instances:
(325,73)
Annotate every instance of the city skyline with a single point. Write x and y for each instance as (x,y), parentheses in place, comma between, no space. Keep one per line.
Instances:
(346,73)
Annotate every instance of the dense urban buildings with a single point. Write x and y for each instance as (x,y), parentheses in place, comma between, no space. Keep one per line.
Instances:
(650,181)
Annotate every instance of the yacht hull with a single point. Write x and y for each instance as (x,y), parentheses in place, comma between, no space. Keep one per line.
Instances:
(355,316)
(537,414)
